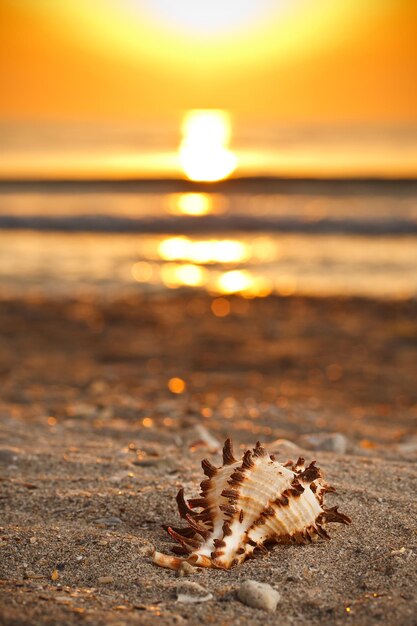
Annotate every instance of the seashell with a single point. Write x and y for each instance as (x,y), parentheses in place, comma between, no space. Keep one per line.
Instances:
(246,504)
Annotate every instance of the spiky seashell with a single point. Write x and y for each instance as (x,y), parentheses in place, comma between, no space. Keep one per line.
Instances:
(246,504)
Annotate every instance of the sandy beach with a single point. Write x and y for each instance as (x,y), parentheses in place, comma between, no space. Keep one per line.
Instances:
(94,446)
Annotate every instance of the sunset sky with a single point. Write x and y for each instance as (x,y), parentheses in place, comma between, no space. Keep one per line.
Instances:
(298,61)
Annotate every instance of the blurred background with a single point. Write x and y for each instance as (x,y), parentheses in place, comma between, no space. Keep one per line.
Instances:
(251,147)
(208,215)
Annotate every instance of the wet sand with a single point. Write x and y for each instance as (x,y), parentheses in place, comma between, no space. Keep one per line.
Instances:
(94,447)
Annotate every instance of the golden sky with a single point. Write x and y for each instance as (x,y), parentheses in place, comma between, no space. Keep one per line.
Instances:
(301,61)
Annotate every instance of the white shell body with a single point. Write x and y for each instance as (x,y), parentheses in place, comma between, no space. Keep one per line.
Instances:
(245,504)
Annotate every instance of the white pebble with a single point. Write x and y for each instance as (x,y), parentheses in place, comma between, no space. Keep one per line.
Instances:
(185,569)
(258,595)
(190,593)
(330,442)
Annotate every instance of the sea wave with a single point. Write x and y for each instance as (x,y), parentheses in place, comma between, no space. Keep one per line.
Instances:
(210,223)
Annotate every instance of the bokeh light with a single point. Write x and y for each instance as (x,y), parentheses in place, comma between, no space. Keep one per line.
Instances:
(220,307)
(176,385)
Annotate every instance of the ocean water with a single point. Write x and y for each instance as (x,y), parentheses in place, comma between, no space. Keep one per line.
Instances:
(253,238)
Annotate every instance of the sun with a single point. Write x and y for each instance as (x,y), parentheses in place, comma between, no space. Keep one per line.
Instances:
(207,17)
(202,34)
(204,154)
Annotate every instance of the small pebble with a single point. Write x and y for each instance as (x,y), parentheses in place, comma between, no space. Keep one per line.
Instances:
(32,540)
(166,464)
(328,442)
(148,462)
(55,575)
(32,575)
(294,578)
(82,410)
(191,593)
(8,456)
(285,448)
(408,446)
(105,580)
(147,550)
(199,437)
(108,521)
(185,569)
(119,478)
(258,595)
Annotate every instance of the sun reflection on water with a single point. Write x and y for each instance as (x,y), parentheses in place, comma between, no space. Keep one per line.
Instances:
(220,266)
(205,251)
(245,283)
(175,275)
(191,204)
(196,204)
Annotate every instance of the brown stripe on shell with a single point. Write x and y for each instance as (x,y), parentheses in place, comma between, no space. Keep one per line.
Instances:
(322,532)
(333,515)
(310,474)
(229,509)
(198,527)
(231,494)
(258,450)
(247,462)
(299,464)
(268,512)
(237,477)
(282,500)
(183,507)
(186,532)
(204,516)
(188,544)
(234,483)
(292,492)
(205,486)
(296,487)
(195,503)
(208,468)
(180,551)
(228,457)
